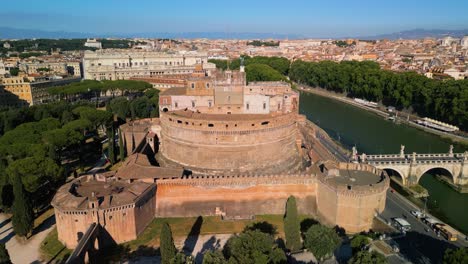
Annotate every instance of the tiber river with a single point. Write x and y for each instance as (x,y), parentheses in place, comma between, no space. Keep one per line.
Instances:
(372,134)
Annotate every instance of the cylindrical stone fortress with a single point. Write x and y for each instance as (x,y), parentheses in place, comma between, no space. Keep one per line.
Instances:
(212,143)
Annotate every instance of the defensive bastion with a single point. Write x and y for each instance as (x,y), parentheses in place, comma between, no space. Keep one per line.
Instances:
(343,194)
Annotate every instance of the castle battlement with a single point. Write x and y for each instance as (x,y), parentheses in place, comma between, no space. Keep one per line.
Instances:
(236,180)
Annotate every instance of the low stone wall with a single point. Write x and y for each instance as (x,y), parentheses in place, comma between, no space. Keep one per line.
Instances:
(234,197)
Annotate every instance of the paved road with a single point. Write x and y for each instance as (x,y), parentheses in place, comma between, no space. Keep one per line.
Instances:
(27,252)
(332,148)
(418,245)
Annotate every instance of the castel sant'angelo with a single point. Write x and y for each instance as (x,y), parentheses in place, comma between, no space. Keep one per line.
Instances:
(221,147)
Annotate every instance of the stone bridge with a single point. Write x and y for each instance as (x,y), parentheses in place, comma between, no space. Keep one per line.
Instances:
(411,167)
(87,248)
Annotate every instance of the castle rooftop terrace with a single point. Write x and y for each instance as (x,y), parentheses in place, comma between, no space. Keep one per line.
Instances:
(107,192)
(222,117)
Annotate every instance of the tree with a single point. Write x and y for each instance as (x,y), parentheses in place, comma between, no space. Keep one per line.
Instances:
(321,241)
(358,242)
(456,256)
(291,226)
(34,172)
(214,257)
(262,72)
(4,256)
(253,247)
(167,247)
(120,107)
(111,146)
(23,215)
(366,257)
(122,149)
(141,107)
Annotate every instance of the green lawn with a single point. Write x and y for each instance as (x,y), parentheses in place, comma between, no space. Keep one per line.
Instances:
(53,249)
(148,241)
(211,225)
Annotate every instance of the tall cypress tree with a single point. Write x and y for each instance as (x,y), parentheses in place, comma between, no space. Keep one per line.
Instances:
(23,215)
(291,226)
(167,247)
(121,147)
(4,256)
(111,146)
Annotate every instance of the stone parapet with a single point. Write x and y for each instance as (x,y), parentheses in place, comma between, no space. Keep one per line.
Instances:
(241,180)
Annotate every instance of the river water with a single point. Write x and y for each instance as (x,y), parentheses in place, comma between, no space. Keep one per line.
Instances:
(372,134)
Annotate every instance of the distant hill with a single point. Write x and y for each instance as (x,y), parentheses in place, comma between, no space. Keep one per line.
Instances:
(420,33)
(14,33)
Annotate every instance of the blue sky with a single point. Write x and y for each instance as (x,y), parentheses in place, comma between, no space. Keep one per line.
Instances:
(312,18)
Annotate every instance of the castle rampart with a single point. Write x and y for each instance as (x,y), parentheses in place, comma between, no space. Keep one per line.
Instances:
(241,143)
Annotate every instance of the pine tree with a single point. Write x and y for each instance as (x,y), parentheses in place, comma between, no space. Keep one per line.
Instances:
(167,247)
(4,256)
(291,226)
(121,147)
(23,215)
(111,146)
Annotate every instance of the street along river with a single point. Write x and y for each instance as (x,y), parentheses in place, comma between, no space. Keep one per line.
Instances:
(372,134)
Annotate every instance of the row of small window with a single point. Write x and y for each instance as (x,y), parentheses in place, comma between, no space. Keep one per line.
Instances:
(128,64)
(247,106)
(207,85)
(13,81)
(212,125)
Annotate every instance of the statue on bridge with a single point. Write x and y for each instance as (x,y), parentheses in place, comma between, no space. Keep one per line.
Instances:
(363,157)
(414,157)
(354,154)
(402,151)
(451,151)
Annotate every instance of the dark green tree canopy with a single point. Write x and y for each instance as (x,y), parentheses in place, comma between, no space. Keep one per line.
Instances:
(456,256)
(321,241)
(442,100)
(34,171)
(4,256)
(291,226)
(167,247)
(253,247)
(366,257)
(23,215)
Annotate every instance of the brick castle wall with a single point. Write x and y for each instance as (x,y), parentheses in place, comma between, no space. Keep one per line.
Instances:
(234,196)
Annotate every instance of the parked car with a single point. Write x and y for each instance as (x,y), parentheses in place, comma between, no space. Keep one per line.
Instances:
(417,214)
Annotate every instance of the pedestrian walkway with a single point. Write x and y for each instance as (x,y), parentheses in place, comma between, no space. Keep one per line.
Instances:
(28,251)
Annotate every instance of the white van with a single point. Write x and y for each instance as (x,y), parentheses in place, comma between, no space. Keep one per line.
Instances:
(401,224)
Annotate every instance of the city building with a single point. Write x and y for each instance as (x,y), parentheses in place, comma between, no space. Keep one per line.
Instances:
(23,90)
(464,42)
(93,43)
(2,69)
(62,68)
(125,64)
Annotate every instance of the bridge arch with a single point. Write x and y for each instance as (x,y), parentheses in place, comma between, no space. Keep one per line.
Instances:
(444,172)
(396,174)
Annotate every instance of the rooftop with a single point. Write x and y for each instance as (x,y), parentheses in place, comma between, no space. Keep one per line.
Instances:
(107,191)
(220,117)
